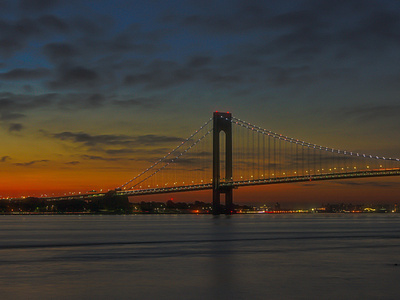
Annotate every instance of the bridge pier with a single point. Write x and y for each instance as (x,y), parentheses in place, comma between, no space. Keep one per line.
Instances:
(222,122)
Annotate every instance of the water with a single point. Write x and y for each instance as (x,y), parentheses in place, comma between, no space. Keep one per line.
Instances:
(332,256)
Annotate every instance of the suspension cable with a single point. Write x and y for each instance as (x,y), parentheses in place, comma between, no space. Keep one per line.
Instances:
(173,160)
(167,155)
(248,125)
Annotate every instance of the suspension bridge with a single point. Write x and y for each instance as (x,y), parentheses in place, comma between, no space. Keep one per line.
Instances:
(226,153)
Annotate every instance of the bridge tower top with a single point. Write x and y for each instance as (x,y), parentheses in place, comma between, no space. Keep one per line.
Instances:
(223,114)
(219,116)
(222,122)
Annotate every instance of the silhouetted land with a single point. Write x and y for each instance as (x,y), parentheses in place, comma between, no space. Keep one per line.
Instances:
(109,204)
(116,204)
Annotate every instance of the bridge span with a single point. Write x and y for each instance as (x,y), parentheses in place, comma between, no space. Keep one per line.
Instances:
(227,153)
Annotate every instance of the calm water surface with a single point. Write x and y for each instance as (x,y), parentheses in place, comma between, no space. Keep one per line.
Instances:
(332,256)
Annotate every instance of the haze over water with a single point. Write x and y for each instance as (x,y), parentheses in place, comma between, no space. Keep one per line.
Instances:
(321,256)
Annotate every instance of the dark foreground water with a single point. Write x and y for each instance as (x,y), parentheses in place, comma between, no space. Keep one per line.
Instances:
(336,256)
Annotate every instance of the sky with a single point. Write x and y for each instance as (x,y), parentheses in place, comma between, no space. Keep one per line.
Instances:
(92,92)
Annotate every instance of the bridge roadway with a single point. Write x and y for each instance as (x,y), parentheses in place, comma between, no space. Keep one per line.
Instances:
(236,184)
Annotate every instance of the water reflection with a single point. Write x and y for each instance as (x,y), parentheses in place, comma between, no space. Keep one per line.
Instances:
(198,257)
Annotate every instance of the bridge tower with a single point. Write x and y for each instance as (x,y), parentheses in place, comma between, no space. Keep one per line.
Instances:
(222,122)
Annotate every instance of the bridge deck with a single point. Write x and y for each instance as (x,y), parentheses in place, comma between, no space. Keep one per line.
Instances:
(236,184)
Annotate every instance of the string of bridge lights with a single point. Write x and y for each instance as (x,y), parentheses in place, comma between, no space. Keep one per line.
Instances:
(249,126)
(172,160)
(258,129)
(167,155)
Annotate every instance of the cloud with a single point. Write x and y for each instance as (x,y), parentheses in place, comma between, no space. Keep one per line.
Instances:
(120,151)
(3,4)
(139,101)
(94,100)
(240,18)
(5,158)
(151,139)
(132,39)
(38,5)
(15,127)
(10,116)
(75,77)
(28,88)
(30,163)
(93,140)
(373,112)
(254,46)
(72,163)
(302,32)
(15,34)
(17,106)
(159,74)
(9,45)
(123,43)
(164,74)
(60,52)
(283,76)
(186,161)
(81,101)
(110,139)
(373,34)
(95,157)
(198,61)
(12,106)
(10,101)
(24,74)
(146,152)
(369,183)
(53,23)
(95,27)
